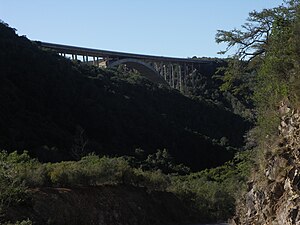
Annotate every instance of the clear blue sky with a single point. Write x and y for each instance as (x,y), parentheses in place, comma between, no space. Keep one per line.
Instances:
(179,28)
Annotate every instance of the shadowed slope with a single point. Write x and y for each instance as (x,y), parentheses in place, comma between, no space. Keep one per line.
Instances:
(51,106)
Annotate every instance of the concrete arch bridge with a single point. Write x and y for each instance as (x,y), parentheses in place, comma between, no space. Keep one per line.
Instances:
(158,69)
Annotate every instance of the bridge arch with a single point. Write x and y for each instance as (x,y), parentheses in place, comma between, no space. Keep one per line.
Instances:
(144,68)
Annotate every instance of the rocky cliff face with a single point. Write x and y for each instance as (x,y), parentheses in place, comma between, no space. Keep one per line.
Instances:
(273,198)
(102,205)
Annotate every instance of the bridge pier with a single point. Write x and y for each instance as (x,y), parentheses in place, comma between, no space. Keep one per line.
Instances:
(165,73)
(180,78)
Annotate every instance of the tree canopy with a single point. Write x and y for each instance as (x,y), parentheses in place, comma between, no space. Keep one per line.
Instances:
(253,38)
(265,67)
(253,43)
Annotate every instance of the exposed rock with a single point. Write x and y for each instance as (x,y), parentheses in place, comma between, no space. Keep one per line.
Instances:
(273,198)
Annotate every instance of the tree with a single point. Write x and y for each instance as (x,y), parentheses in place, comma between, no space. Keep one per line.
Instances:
(12,188)
(253,44)
(278,80)
(79,148)
(253,39)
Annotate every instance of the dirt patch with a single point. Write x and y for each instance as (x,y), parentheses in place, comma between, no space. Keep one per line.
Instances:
(103,205)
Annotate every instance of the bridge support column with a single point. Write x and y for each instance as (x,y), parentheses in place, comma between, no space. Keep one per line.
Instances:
(165,72)
(180,78)
(173,75)
(185,72)
(85,58)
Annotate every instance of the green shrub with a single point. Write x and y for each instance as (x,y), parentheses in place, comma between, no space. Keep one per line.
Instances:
(12,188)
(107,170)
(90,170)
(152,180)
(23,222)
(212,193)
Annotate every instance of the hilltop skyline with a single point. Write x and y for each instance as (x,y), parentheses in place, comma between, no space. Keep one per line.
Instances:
(181,29)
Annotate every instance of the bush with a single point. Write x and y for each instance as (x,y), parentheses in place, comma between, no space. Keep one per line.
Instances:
(210,199)
(23,222)
(152,180)
(213,193)
(210,192)
(91,170)
(12,188)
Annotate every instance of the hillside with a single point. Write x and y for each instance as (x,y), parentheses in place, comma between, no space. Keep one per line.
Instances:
(61,110)
(267,62)
(101,205)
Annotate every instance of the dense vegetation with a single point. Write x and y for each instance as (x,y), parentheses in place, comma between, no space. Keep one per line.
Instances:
(266,65)
(268,53)
(209,193)
(209,86)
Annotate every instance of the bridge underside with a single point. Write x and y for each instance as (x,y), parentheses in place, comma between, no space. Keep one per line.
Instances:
(145,69)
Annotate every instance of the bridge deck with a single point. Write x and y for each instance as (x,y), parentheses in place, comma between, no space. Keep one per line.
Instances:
(112,54)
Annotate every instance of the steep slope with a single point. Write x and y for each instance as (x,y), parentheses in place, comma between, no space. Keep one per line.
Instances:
(59,109)
(273,196)
(102,205)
